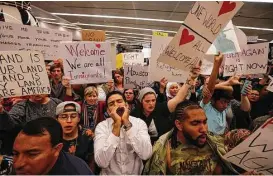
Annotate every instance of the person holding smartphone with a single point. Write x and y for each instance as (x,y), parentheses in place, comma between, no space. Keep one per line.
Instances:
(121,142)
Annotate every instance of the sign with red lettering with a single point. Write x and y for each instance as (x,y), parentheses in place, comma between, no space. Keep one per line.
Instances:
(22,73)
(256,152)
(87,62)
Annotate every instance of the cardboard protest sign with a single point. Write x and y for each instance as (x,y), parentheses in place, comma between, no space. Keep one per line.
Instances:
(23,37)
(207,65)
(185,50)
(133,58)
(87,62)
(136,76)
(209,18)
(255,152)
(252,60)
(22,73)
(226,41)
(93,35)
(162,34)
(158,70)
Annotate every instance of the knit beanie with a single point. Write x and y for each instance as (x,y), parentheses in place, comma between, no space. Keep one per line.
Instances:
(144,91)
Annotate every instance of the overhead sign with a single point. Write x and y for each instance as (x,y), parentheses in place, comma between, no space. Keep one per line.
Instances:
(201,27)
(162,34)
(93,35)
(252,60)
(255,152)
(87,62)
(157,69)
(22,73)
(23,37)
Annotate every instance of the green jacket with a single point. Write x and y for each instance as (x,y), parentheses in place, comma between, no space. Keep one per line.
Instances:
(157,164)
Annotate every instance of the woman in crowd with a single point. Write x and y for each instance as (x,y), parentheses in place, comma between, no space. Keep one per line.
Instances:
(92,109)
(130,96)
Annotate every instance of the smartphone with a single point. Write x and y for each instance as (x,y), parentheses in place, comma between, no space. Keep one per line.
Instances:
(246,84)
(120,111)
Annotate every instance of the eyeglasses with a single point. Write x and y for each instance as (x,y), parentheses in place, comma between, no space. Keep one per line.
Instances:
(65,117)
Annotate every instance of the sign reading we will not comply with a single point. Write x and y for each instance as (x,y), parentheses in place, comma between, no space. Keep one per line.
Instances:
(201,27)
(87,62)
(22,73)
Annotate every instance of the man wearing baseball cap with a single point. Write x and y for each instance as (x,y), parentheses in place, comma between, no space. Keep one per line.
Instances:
(77,140)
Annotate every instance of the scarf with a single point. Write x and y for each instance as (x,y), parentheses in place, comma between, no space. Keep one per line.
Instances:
(89,115)
(169,84)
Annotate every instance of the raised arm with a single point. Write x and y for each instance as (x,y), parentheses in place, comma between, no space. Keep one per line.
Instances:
(213,77)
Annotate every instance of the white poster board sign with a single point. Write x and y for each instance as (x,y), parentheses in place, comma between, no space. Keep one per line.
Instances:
(133,58)
(157,69)
(136,76)
(256,152)
(24,37)
(209,18)
(252,60)
(22,73)
(87,62)
(226,41)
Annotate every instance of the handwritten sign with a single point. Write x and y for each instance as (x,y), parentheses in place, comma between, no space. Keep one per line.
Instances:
(133,58)
(255,153)
(171,73)
(24,37)
(162,34)
(209,18)
(87,62)
(22,73)
(93,35)
(252,60)
(136,76)
(185,50)
(226,41)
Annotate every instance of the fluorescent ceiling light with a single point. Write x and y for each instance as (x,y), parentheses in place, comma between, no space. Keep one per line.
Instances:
(65,24)
(122,27)
(117,17)
(262,39)
(43,18)
(78,28)
(118,32)
(255,28)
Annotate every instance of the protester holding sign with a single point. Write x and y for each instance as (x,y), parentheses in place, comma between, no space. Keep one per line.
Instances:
(156,115)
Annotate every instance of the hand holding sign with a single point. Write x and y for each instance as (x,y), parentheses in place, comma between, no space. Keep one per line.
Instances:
(66,82)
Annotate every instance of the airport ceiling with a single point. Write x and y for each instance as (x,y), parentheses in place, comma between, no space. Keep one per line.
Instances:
(128,21)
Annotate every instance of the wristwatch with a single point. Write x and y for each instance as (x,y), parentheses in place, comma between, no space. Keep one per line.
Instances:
(127,126)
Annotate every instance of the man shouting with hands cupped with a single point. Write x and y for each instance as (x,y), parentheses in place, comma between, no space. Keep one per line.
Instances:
(121,141)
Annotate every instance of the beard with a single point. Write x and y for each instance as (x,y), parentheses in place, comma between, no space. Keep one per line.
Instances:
(193,141)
